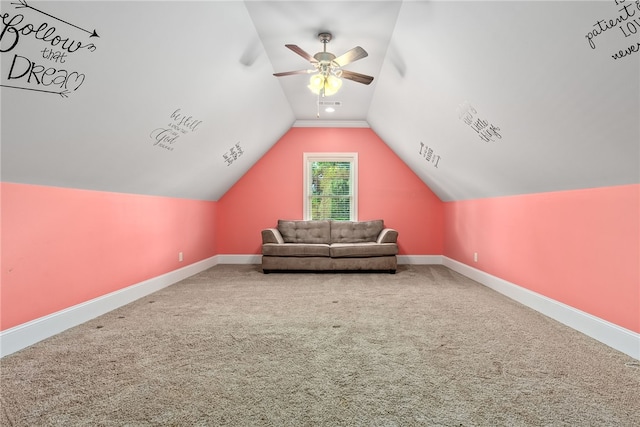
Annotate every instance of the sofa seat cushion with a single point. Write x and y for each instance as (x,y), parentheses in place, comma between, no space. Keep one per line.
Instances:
(365,249)
(355,232)
(296,249)
(305,231)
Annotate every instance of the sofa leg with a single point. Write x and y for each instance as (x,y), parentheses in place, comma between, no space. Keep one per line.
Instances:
(392,271)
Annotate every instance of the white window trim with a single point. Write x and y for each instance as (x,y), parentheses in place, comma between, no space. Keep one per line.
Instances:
(308,158)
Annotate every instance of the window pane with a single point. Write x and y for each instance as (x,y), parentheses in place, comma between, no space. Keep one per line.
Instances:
(331,178)
(336,208)
(331,186)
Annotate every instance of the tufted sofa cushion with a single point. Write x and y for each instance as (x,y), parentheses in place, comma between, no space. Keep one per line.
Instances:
(296,249)
(355,232)
(305,231)
(364,249)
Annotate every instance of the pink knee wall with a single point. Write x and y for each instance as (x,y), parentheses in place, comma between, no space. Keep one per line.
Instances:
(577,247)
(62,247)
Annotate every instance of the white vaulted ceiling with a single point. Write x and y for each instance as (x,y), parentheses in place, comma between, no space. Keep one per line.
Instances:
(178,98)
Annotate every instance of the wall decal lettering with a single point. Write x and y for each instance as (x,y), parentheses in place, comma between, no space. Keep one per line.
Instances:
(180,124)
(485,130)
(12,30)
(233,154)
(28,74)
(53,55)
(38,74)
(627,21)
(23,4)
(183,123)
(429,155)
(164,138)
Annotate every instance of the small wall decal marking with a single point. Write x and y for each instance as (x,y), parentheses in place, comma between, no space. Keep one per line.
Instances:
(627,20)
(429,155)
(485,130)
(180,124)
(233,154)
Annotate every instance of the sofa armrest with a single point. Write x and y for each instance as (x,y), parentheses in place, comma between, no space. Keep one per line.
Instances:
(388,235)
(271,235)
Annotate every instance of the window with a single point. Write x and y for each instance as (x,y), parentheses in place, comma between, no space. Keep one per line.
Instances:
(330,186)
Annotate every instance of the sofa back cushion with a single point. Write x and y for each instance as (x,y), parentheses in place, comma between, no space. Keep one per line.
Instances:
(355,232)
(305,231)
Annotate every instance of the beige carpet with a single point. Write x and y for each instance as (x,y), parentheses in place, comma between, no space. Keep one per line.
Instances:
(231,346)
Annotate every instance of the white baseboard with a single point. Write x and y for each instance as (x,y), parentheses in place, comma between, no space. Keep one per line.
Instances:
(21,336)
(614,336)
(239,259)
(419,259)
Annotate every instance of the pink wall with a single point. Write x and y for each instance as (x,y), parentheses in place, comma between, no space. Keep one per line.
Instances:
(61,247)
(581,247)
(388,189)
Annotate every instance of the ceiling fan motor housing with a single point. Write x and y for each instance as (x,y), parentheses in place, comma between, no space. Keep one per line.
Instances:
(324,56)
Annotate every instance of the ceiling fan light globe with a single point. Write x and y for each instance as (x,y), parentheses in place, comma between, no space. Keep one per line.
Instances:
(316,82)
(332,85)
(325,86)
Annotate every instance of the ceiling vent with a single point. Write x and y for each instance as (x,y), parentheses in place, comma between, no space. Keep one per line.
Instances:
(330,103)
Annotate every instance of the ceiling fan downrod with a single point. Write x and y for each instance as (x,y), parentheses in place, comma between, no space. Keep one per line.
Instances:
(324,58)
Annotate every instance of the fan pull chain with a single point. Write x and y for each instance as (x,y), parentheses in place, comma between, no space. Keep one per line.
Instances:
(318,107)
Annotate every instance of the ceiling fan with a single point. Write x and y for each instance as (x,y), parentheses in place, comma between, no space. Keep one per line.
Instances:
(327,69)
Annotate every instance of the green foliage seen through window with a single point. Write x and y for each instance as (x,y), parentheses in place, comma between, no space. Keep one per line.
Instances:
(331,190)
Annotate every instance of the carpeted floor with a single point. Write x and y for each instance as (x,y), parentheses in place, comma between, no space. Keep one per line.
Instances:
(231,346)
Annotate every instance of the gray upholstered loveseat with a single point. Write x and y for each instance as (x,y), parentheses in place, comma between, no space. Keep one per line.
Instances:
(329,245)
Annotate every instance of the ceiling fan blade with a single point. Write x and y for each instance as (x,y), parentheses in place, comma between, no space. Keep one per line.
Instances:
(301,52)
(351,56)
(357,77)
(291,73)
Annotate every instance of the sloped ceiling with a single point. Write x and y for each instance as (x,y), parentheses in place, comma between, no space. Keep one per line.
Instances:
(170,89)
(567,114)
(177,99)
